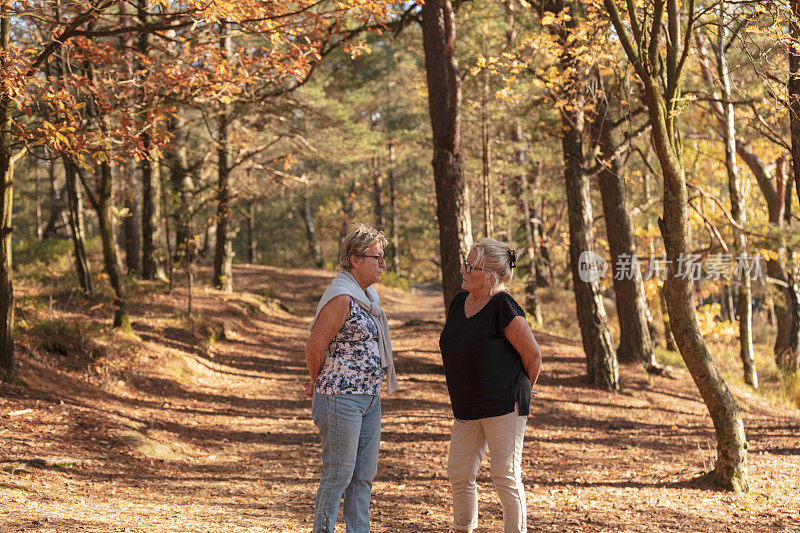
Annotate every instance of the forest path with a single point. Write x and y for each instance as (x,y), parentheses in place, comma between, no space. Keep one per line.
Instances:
(186,437)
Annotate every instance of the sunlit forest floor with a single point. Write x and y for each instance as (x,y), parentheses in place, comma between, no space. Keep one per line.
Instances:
(200,425)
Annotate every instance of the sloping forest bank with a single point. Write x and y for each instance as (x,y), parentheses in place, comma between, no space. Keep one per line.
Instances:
(199,424)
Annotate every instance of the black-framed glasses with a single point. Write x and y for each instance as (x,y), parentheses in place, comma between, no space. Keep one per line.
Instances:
(469,268)
(379,258)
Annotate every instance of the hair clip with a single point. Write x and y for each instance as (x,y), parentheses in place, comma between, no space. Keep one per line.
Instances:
(512,259)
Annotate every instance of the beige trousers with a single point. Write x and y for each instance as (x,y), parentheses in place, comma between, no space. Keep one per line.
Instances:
(503,435)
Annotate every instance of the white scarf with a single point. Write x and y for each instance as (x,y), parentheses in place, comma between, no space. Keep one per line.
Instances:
(345,283)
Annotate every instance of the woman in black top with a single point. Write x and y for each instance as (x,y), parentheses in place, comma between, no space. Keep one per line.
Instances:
(491,360)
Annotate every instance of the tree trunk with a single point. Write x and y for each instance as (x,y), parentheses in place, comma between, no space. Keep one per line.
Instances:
(251,246)
(37,202)
(153,192)
(7,161)
(131,223)
(444,106)
(601,358)
(131,227)
(488,215)
(149,168)
(730,470)
(223,251)
(394,238)
(55,204)
(377,185)
(794,91)
(544,262)
(669,338)
(110,255)
(77,227)
(165,217)
(349,201)
(728,307)
(744,304)
(787,299)
(635,343)
(311,231)
(521,159)
(182,185)
(731,467)
(789,359)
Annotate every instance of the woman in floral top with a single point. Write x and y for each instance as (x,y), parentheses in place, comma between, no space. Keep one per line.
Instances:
(348,354)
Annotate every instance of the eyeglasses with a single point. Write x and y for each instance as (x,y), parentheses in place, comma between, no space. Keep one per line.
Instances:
(381,259)
(469,268)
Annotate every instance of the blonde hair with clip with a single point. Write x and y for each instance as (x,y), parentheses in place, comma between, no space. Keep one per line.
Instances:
(496,258)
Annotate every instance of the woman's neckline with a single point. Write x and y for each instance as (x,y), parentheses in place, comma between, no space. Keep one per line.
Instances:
(464,308)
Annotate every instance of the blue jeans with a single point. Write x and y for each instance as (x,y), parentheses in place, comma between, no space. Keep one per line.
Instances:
(350,429)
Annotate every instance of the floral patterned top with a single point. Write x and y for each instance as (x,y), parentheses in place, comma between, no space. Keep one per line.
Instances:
(352,360)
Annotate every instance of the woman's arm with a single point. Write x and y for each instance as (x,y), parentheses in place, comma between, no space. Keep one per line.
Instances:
(328,324)
(521,337)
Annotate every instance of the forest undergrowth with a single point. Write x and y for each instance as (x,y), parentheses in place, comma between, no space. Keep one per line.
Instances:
(199,424)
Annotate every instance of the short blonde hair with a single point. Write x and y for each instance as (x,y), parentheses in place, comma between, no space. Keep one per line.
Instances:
(358,242)
(495,258)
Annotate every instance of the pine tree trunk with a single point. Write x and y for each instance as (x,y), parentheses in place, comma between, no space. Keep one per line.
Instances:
(601,358)
(635,344)
(521,159)
(165,218)
(377,186)
(544,262)
(394,238)
(349,201)
(444,106)
(488,215)
(311,231)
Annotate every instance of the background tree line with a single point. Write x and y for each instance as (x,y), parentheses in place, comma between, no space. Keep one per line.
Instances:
(162,134)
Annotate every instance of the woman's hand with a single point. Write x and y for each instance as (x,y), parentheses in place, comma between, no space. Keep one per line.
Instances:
(519,334)
(328,324)
(308,388)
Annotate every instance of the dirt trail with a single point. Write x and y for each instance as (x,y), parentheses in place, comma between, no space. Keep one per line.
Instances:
(176,436)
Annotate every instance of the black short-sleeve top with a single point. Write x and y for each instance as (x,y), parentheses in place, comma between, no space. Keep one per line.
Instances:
(484,372)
